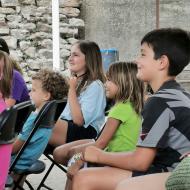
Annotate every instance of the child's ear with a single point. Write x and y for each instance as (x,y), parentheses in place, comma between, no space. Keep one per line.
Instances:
(164,62)
(47,96)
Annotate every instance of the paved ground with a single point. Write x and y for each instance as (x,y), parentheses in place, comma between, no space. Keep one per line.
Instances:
(56,179)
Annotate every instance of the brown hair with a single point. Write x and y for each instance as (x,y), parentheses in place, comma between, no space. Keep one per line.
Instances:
(123,74)
(16,66)
(93,58)
(52,82)
(6,75)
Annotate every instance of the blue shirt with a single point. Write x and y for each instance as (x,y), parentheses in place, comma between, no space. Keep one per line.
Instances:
(92,101)
(36,146)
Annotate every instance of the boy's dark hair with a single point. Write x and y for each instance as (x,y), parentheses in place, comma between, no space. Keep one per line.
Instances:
(52,82)
(172,42)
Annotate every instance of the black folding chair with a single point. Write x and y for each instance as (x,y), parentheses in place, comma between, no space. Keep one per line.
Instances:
(7,125)
(49,151)
(45,118)
(23,111)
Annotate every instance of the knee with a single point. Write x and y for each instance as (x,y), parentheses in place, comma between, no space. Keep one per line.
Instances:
(79,181)
(58,156)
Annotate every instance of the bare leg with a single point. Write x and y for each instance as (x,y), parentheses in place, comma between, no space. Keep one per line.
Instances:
(68,185)
(64,152)
(147,182)
(59,133)
(100,178)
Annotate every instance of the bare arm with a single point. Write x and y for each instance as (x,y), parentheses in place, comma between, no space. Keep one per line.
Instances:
(10,102)
(17,145)
(107,133)
(139,160)
(74,104)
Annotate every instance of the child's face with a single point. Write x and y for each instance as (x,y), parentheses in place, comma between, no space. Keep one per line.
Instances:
(111,89)
(147,65)
(37,94)
(77,62)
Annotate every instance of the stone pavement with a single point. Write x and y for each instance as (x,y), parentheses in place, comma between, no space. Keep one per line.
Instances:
(56,179)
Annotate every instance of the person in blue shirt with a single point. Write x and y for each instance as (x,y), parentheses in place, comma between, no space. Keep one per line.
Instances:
(84,113)
(46,85)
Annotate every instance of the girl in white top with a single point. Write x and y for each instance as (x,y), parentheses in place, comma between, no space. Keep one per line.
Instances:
(84,112)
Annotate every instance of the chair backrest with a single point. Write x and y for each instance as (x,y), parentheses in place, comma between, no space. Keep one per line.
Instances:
(23,111)
(45,118)
(7,125)
(60,107)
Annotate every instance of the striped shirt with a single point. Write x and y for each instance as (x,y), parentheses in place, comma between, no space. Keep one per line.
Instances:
(166,125)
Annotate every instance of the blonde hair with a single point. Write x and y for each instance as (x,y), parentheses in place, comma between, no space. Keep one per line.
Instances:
(123,74)
(6,75)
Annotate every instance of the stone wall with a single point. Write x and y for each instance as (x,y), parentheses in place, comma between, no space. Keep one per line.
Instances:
(121,24)
(26,25)
(175,13)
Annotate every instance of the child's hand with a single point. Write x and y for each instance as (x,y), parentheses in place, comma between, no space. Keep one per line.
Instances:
(74,168)
(72,82)
(91,154)
(185,155)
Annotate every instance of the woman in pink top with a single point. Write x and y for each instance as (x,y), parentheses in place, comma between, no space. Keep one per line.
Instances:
(6,73)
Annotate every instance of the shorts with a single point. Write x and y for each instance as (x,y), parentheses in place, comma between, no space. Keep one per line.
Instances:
(151,170)
(75,132)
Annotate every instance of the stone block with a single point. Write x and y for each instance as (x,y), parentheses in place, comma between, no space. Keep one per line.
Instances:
(11,41)
(46,43)
(15,18)
(64,53)
(7,10)
(27,2)
(46,63)
(69,32)
(24,45)
(2,17)
(44,27)
(40,35)
(9,3)
(70,3)
(44,53)
(76,22)
(33,64)
(17,55)
(13,25)
(4,28)
(44,2)
(31,52)
(19,34)
(72,40)
(28,11)
(29,26)
(70,11)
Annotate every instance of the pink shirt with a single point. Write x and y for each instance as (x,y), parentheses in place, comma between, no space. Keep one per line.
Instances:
(5,154)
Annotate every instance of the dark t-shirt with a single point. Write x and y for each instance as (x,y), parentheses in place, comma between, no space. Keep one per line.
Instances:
(19,88)
(166,124)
